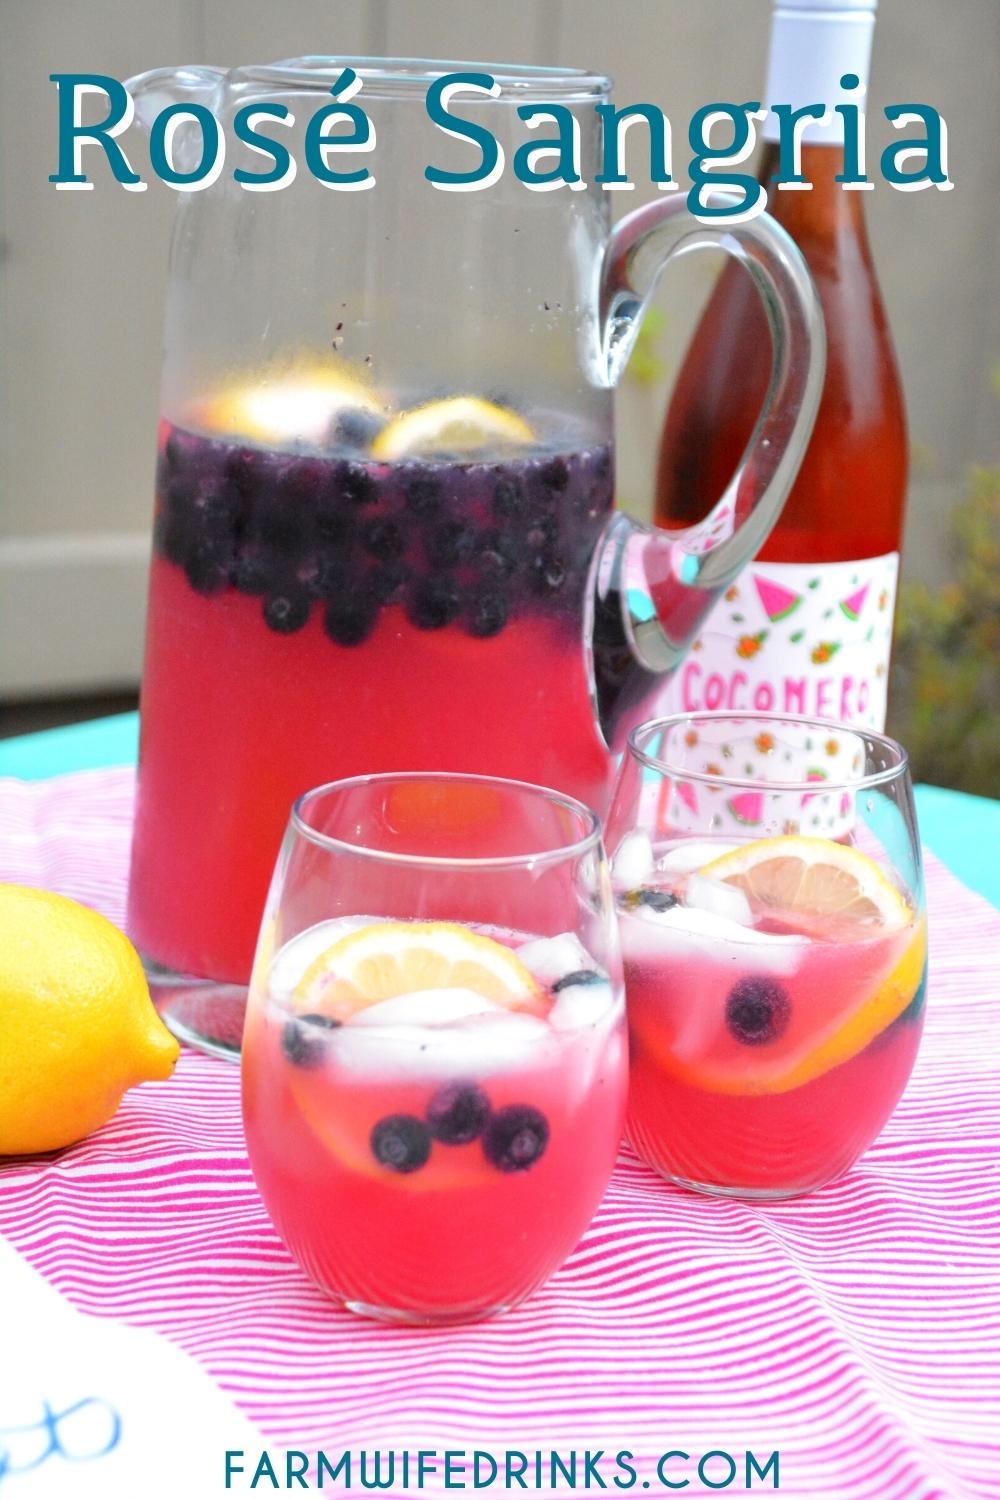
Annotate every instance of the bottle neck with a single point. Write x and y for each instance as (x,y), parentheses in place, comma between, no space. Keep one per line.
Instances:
(812,48)
(822,211)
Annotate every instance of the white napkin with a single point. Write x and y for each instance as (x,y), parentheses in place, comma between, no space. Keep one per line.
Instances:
(95,1410)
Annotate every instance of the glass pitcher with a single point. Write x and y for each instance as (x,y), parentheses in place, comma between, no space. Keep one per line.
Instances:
(384,531)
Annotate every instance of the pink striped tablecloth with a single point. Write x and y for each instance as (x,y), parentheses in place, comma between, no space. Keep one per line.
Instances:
(857,1332)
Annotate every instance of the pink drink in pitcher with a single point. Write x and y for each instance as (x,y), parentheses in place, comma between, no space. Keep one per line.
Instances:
(384,531)
(292,600)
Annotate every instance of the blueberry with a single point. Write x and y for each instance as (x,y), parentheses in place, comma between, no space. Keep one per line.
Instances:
(548,572)
(302,1041)
(207,567)
(593,500)
(221,514)
(383,537)
(245,469)
(357,485)
(356,428)
(329,577)
(541,532)
(451,542)
(515,1137)
(555,474)
(251,575)
(655,900)
(172,536)
(388,579)
(498,555)
(488,614)
(173,453)
(434,604)
(350,619)
(180,495)
(758,1010)
(579,976)
(508,498)
(286,613)
(458,1113)
(602,463)
(401,1142)
(277,523)
(333,522)
(423,492)
(303,482)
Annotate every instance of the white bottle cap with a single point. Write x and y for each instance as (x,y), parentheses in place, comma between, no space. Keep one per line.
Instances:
(814,43)
(849,5)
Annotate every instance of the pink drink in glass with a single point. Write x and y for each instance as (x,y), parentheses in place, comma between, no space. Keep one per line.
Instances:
(766,1057)
(429,1171)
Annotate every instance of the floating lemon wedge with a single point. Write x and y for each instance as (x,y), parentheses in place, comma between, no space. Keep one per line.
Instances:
(460,424)
(440,962)
(298,403)
(812,1045)
(848,987)
(390,959)
(815,885)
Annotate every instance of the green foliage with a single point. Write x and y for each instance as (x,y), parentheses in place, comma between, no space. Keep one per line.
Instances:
(646,365)
(945,697)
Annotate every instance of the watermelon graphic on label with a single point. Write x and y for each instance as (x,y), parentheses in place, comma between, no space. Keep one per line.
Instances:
(854,603)
(813,773)
(670,793)
(777,602)
(686,794)
(747,808)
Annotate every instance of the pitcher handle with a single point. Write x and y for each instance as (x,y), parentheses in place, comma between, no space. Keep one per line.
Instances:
(191,83)
(667,581)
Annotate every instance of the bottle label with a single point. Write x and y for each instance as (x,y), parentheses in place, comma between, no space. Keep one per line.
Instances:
(795,638)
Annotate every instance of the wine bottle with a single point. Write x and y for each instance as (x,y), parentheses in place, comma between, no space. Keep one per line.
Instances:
(807,628)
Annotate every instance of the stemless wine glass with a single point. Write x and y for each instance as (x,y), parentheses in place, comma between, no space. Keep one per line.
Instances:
(769,889)
(434,1064)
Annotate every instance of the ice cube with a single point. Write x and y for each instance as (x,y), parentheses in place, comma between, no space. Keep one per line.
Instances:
(387,1052)
(692,854)
(550,959)
(472,1049)
(633,861)
(580,1005)
(685,931)
(719,897)
(425,1008)
(505,1039)
(295,957)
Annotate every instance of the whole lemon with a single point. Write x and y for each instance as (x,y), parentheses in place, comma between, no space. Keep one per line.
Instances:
(77,1026)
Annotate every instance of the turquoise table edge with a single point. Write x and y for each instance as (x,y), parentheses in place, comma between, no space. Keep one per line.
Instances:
(962,830)
(90,746)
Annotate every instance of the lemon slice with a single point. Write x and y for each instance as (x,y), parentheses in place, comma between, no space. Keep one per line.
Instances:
(297,404)
(810,1047)
(390,959)
(815,885)
(460,424)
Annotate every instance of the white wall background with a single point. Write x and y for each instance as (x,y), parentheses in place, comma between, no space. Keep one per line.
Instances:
(82,275)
